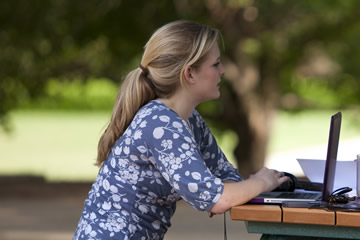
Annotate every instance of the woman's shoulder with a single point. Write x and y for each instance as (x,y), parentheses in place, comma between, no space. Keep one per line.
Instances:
(155,111)
(152,120)
(154,107)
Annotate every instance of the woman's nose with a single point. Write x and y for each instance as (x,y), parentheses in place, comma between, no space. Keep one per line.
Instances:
(222,70)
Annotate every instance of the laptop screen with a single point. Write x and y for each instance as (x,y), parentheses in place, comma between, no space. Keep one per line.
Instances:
(330,166)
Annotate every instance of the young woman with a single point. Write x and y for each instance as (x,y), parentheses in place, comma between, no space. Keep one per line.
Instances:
(157,148)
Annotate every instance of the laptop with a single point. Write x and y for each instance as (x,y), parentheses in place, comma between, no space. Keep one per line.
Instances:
(329,174)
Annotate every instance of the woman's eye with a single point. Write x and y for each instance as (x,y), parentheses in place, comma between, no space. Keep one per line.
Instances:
(216,64)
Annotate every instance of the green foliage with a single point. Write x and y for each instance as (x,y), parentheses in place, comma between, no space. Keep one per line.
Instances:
(104,39)
(93,94)
(43,40)
(319,93)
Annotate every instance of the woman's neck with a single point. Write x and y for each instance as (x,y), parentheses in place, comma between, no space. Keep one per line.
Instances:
(180,104)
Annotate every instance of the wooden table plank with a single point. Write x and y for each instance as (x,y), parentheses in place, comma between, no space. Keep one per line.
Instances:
(253,212)
(308,216)
(348,219)
(298,223)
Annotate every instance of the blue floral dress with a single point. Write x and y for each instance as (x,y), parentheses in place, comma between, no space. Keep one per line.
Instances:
(156,162)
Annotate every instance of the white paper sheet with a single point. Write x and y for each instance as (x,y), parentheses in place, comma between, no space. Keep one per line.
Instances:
(345,173)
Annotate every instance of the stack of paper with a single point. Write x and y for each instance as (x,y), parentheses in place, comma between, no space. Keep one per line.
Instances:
(345,174)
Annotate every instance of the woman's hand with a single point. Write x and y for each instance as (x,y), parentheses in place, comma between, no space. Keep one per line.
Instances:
(271,178)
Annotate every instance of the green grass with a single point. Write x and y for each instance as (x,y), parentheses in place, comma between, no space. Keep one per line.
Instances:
(61,146)
(309,128)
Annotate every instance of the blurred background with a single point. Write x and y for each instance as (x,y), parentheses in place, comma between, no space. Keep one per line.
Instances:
(289,66)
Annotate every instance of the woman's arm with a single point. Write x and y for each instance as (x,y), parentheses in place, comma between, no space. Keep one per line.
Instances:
(236,193)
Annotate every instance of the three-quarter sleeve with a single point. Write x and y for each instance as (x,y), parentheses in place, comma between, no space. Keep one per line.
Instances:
(177,156)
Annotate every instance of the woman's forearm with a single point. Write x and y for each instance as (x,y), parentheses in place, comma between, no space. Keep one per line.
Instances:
(237,193)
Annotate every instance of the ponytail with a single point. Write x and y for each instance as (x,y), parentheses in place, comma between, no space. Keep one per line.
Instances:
(135,92)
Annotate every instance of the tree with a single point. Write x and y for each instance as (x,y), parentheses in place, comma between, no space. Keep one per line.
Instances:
(281,54)
(278,54)
(40,40)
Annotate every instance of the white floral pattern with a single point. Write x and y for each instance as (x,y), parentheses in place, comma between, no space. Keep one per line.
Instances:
(158,161)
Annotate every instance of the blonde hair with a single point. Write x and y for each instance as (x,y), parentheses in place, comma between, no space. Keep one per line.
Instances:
(168,52)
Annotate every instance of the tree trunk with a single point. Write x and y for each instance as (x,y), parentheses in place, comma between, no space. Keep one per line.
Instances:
(253,133)
(250,119)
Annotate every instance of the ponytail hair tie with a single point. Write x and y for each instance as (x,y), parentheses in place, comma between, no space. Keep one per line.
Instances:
(144,69)
(146,72)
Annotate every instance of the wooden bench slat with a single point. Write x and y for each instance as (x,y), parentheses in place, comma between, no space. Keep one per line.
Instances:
(308,216)
(261,213)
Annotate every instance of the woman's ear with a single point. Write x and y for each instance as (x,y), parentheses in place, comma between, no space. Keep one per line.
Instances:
(188,73)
